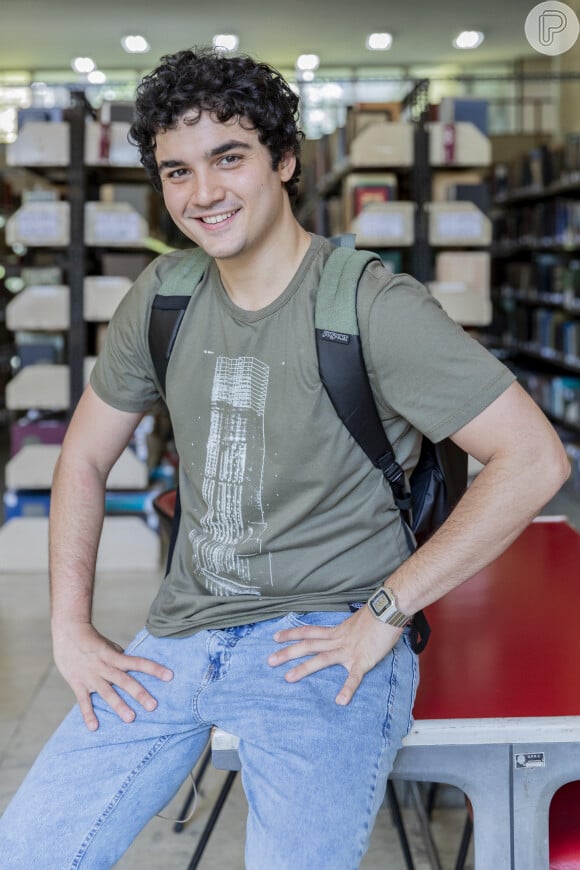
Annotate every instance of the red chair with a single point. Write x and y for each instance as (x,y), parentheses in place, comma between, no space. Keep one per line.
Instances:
(565,828)
(164,504)
(564,834)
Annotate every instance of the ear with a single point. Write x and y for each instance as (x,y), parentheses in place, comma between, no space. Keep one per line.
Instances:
(287,166)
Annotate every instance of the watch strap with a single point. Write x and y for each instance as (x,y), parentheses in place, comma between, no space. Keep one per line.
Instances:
(383,606)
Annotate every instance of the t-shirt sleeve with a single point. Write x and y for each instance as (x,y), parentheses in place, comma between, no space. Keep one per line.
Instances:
(123,374)
(423,365)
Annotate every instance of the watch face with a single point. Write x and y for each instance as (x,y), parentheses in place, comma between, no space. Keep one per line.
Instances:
(381,601)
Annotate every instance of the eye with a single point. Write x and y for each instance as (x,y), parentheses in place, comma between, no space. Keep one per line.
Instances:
(230,159)
(179,173)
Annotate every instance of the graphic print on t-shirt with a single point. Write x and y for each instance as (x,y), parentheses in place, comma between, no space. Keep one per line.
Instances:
(226,547)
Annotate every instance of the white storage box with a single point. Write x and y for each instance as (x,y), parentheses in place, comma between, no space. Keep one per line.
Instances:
(128,472)
(462,282)
(47,224)
(465,306)
(455,224)
(384,225)
(120,150)
(127,544)
(45,387)
(43,307)
(102,295)
(388,144)
(470,148)
(40,224)
(467,267)
(47,143)
(40,143)
(33,467)
(114,224)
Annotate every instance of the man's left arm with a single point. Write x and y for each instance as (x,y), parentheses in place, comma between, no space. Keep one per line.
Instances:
(525,465)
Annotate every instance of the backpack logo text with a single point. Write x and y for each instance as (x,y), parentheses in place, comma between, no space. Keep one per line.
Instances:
(329,335)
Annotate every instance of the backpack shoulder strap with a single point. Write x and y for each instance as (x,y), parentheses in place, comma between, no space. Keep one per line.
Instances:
(168,307)
(342,367)
(167,312)
(185,274)
(344,375)
(336,298)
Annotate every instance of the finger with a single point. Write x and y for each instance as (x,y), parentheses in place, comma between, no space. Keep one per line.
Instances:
(135,689)
(300,649)
(116,703)
(87,712)
(145,666)
(304,632)
(350,686)
(312,665)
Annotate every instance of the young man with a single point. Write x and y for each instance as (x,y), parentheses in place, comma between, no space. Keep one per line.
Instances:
(284,521)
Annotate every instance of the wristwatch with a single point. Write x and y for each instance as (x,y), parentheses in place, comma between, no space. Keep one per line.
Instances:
(383,605)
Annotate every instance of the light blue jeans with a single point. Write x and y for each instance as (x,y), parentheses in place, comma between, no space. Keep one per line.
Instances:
(314,772)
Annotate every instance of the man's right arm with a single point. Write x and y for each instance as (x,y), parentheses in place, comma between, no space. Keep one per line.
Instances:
(89,662)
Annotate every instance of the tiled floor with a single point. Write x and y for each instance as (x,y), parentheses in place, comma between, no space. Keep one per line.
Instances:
(33,699)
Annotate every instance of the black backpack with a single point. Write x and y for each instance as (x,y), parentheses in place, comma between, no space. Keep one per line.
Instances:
(440,477)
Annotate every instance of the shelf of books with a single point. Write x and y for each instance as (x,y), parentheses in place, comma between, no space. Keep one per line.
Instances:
(536,248)
(82,237)
(419,202)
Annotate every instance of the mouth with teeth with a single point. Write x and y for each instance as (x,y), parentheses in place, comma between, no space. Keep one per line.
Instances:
(214,219)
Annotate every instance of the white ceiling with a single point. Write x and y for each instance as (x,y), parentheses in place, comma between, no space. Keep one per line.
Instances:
(45,34)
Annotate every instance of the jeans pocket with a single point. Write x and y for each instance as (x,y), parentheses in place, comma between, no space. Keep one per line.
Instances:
(324,618)
(137,641)
(414,674)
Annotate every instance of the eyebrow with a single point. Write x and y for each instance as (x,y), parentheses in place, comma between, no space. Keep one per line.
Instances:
(230,145)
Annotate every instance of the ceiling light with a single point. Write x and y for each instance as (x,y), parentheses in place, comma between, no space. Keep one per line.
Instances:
(134,43)
(15,285)
(468,39)
(332,91)
(83,64)
(379,41)
(308,62)
(97,77)
(317,116)
(225,41)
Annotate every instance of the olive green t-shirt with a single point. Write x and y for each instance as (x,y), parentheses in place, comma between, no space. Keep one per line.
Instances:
(281,509)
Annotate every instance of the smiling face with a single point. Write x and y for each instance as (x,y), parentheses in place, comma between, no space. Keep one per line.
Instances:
(219,186)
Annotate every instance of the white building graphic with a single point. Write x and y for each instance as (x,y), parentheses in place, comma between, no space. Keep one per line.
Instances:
(227,552)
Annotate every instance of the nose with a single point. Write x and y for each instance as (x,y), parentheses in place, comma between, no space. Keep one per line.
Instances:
(207,190)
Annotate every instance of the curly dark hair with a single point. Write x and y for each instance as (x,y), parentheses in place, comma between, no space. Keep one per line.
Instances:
(228,87)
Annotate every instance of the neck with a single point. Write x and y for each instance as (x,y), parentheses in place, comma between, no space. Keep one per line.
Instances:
(256,279)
